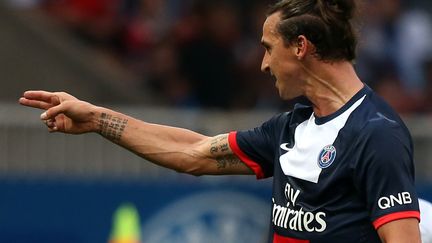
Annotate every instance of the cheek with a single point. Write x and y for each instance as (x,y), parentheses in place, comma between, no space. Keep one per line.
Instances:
(283,64)
(287,71)
(277,65)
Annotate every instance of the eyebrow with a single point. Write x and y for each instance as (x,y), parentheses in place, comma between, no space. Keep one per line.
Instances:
(265,44)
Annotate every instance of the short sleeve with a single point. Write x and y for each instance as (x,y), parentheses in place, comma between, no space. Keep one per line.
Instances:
(384,174)
(256,147)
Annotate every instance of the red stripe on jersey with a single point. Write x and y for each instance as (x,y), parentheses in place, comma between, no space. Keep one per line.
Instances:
(232,140)
(283,239)
(395,216)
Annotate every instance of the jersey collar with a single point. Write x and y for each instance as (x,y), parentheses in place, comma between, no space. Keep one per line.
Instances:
(323,119)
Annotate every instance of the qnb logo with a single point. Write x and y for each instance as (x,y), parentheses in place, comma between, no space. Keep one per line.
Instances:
(392,200)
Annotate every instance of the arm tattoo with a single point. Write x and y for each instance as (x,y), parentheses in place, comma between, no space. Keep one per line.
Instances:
(220,150)
(226,161)
(112,127)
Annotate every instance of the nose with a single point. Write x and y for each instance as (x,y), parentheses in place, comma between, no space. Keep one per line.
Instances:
(264,64)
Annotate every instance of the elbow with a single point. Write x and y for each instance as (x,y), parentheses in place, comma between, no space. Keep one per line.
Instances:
(190,161)
(194,170)
(194,164)
(195,173)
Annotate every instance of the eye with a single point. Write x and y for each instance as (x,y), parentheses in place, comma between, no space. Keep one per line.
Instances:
(268,49)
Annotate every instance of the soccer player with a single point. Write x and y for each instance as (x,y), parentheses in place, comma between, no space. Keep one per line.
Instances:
(342,167)
(426,220)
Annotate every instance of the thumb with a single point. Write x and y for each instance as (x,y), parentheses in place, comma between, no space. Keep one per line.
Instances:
(52,112)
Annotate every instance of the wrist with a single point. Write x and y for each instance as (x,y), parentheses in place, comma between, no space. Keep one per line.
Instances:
(108,123)
(96,122)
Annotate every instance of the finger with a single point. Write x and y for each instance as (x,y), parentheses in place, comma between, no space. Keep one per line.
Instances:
(52,129)
(50,123)
(54,111)
(42,96)
(35,103)
(39,95)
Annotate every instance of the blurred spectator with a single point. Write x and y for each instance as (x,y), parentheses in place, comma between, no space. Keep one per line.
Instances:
(23,4)
(428,99)
(97,21)
(148,23)
(165,78)
(207,53)
(395,42)
(207,59)
(256,89)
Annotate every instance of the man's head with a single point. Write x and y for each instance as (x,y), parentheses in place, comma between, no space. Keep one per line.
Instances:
(296,30)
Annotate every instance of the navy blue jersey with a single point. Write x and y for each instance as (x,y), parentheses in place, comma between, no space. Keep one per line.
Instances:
(336,178)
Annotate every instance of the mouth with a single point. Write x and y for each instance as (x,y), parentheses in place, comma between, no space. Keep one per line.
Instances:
(273,76)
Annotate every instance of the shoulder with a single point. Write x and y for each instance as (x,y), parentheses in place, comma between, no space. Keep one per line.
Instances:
(381,135)
(297,115)
(379,124)
(385,134)
(377,120)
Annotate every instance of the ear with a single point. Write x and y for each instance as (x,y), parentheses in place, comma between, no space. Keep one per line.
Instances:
(302,46)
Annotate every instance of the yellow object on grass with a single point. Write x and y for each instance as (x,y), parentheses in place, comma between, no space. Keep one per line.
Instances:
(126,225)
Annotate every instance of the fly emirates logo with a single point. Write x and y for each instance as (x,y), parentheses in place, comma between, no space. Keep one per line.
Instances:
(293,217)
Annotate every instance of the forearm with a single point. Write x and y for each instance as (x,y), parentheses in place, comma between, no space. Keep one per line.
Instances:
(166,146)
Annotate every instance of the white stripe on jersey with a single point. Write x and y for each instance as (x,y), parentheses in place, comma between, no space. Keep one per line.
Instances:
(301,161)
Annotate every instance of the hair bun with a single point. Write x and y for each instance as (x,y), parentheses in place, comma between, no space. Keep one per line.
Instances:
(342,9)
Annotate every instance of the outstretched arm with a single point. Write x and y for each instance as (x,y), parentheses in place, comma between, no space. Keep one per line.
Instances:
(175,148)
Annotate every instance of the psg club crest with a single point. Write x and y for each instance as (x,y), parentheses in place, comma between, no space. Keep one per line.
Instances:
(326,156)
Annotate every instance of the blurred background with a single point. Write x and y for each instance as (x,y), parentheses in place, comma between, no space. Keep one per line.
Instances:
(189,63)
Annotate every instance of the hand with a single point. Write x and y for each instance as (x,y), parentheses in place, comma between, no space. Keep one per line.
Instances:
(64,112)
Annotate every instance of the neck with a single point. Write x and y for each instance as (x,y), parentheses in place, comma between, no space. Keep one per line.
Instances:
(329,86)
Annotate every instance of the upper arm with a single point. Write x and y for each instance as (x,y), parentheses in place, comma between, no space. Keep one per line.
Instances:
(218,157)
(245,152)
(384,176)
(400,231)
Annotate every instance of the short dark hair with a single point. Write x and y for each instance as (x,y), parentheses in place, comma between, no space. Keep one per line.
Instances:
(326,23)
